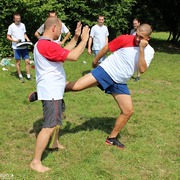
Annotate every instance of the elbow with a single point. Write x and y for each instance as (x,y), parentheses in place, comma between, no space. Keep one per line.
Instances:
(75,58)
(142,70)
(7,37)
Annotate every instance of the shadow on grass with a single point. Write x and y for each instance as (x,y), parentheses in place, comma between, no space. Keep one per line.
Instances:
(37,126)
(15,74)
(105,124)
(97,123)
(164,46)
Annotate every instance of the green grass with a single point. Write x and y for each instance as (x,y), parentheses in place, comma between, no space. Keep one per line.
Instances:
(151,135)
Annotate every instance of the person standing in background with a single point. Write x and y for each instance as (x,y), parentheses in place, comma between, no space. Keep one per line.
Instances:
(17,33)
(136,24)
(64,30)
(98,37)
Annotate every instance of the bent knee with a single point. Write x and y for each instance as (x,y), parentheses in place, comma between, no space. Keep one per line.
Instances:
(27,62)
(128,112)
(77,88)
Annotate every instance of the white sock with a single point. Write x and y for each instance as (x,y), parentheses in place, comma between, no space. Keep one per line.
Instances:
(28,75)
(20,76)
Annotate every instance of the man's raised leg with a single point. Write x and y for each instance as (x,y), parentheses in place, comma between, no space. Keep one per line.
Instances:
(83,83)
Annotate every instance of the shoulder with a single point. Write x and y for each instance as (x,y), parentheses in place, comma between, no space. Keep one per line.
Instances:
(51,50)
(95,26)
(121,41)
(150,48)
(126,38)
(22,24)
(47,44)
(11,25)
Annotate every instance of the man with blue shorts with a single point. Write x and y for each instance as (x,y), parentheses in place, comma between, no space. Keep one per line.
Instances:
(129,54)
(17,33)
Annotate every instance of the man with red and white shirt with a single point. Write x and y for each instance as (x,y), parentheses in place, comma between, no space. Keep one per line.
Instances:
(51,81)
(129,53)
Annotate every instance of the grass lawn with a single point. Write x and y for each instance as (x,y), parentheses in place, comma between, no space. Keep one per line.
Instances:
(151,136)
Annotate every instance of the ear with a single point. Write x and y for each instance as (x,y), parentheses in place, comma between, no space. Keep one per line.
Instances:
(53,28)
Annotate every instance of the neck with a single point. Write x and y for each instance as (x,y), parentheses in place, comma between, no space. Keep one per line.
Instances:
(47,35)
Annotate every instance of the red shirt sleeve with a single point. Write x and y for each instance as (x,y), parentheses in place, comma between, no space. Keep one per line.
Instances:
(121,42)
(52,51)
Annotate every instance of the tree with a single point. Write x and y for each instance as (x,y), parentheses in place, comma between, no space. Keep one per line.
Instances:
(116,13)
(33,14)
(162,15)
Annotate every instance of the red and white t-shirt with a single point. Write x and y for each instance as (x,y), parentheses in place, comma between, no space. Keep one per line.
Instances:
(50,75)
(123,62)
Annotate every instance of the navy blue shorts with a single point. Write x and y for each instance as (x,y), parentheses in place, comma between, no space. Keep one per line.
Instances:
(107,84)
(18,53)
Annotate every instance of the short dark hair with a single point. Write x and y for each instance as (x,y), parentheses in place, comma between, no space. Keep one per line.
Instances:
(16,14)
(137,19)
(52,11)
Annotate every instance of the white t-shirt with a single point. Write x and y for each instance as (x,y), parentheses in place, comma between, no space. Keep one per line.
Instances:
(99,34)
(17,32)
(123,62)
(50,74)
(133,32)
(64,30)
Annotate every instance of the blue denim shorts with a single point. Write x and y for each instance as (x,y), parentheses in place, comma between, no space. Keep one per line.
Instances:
(18,53)
(107,84)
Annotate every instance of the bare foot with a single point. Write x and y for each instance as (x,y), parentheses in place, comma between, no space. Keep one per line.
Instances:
(39,167)
(60,146)
(57,146)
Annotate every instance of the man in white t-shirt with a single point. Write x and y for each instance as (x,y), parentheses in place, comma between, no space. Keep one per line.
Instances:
(129,53)
(136,24)
(98,37)
(64,30)
(49,58)
(17,33)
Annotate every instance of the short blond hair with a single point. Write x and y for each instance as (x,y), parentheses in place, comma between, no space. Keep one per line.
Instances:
(50,21)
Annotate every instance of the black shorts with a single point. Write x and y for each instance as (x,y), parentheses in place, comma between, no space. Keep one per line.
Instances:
(52,111)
